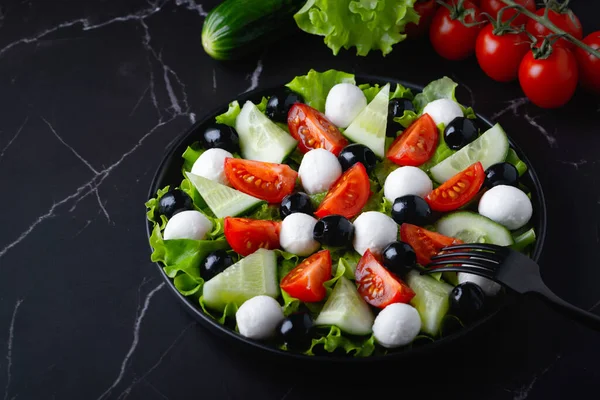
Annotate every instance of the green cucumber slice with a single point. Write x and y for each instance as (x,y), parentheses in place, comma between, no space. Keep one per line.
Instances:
(254,275)
(369,126)
(489,148)
(471,227)
(222,200)
(260,138)
(347,310)
(431,300)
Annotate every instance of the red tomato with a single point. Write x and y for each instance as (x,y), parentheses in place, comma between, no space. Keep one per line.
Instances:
(589,65)
(348,195)
(458,190)
(313,130)
(378,286)
(246,235)
(267,181)
(417,144)
(449,37)
(426,10)
(305,282)
(426,244)
(492,7)
(550,82)
(499,56)
(567,21)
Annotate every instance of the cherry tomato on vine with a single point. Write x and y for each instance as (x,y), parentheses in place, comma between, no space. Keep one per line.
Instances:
(426,10)
(564,19)
(499,54)
(492,7)
(589,64)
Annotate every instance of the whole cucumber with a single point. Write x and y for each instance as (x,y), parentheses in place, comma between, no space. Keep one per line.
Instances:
(236,28)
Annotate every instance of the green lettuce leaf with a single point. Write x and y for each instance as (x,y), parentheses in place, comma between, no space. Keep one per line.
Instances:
(442,152)
(364,24)
(370,91)
(316,199)
(266,212)
(443,88)
(228,117)
(514,159)
(378,202)
(332,339)
(152,208)
(407,118)
(315,86)
(383,169)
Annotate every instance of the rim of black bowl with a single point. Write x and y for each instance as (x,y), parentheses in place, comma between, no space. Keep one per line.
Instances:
(173,156)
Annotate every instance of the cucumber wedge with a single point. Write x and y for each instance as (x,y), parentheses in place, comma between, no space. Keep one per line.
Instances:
(431,300)
(369,126)
(223,200)
(347,310)
(254,275)
(489,148)
(471,227)
(260,138)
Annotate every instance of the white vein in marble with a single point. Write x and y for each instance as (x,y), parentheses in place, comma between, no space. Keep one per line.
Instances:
(11,335)
(60,139)
(255,76)
(513,106)
(192,6)
(533,122)
(10,142)
(523,392)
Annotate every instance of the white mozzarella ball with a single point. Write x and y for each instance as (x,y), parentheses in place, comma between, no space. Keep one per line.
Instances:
(373,230)
(488,286)
(507,206)
(258,317)
(296,235)
(211,165)
(318,170)
(189,224)
(443,111)
(407,180)
(344,102)
(396,325)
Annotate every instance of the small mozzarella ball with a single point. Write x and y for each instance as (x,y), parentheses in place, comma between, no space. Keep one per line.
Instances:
(373,230)
(318,170)
(489,287)
(344,102)
(189,224)
(407,180)
(396,325)
(443,111)
(259,317)
(211,165)
(296,235)
(507,206)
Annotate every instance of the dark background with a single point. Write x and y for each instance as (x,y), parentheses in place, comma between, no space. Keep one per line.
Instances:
(91,93)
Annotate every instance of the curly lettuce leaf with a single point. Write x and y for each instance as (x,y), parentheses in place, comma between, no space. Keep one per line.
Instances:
(268,212)
(443,88)
(152,208)
(315,86)
(442,151)
(317,198)
(364,24)
(370,91)
(228,117)
(407,118)
(333,339)
(378,202)
(383,169)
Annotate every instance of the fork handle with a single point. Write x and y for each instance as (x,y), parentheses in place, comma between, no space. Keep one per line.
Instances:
(586,318)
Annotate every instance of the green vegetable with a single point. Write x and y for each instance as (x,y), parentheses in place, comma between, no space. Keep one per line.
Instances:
(333,339)
(366,25)
(370,91)
(523,240)
(442,152)
(317,198)
(228,117)
(514,159)
(443,88)
(315,86)
(236,28)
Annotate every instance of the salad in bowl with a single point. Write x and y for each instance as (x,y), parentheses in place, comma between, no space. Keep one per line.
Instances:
(302,220)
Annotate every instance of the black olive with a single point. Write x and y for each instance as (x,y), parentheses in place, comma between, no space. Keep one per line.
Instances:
(222,137)
(501,174)
(467,301)
(279,105)
(334,231)
(399,257)
(296,329)
(215,263)
(173,201)
(460,132)
(296,203)
(396,108)
(411,209)
(354,153)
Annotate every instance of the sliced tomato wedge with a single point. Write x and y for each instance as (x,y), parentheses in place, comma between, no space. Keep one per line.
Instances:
(378,286)
(267,181)
(313,130)
(246,235)
(458,190)
(426,244)
(348,195)
(417,144)
(305,282)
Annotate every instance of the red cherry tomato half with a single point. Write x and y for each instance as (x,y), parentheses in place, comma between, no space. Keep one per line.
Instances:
(267,181)
(348,195)
(246,235)
(313,130)
(417,144)
(426,244)
(458,190)
(305,281)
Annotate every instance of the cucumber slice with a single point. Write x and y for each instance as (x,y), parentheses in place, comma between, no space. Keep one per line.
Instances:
(260,138)
(369,126)
(222,200)
(471,227)
(347,310)
(489,148)
(254,275)
(431,300)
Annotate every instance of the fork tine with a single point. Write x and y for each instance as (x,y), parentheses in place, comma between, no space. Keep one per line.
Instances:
(488,266)
(476,254)
(475,246)
(467,269)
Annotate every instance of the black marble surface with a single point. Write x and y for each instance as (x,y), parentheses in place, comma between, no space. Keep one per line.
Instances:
(91,93)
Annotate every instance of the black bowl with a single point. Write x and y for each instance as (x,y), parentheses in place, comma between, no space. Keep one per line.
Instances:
(169,173)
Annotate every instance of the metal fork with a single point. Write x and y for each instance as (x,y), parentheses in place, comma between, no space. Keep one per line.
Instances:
(508,267)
